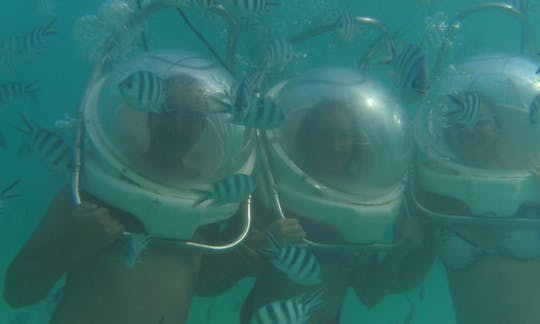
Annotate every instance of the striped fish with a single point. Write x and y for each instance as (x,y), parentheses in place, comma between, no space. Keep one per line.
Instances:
(134,245)
(263,114)
(144,91)
(347,28)
(299,264)
(48,144)
(534,110)
(465,110)
(411,71)
(253,7)
(7,192)
(233,189)
(12,91)
(279,53)
(29,43)
(296,310)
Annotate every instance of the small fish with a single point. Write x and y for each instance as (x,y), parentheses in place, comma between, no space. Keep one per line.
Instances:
(534,112)
(298,263)
(279,53)
(348,29)
(48,144)
(29,43)
(294,310)
(144,91)
(466,110)
(411,71)
(233,189)
(7,192)
(253,7)
(12,91)
(135,244)
(263,114)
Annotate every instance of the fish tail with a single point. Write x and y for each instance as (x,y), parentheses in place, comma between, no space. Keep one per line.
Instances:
(4,194)
(205,196)
(31,88)
(27,128)
(47,28)
(314,300)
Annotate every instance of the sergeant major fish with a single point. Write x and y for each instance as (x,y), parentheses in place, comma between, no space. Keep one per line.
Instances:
(27,44)
(48,144)
(465,110)
(7,193)
(294,310)
(12,91)
(411,71)
(279,53)
(144,91)
(233,189)
(298,263)
(347,28)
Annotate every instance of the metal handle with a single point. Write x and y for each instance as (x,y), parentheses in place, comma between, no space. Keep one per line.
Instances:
(455,26)
(208,248)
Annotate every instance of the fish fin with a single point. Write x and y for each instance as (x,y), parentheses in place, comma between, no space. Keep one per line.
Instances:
(28,129)
(4,194)
(47,28)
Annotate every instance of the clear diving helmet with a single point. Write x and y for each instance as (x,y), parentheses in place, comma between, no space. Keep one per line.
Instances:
(155,141)
(477,134)
(342,154)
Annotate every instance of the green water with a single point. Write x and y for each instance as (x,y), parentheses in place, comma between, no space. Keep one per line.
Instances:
(62,70)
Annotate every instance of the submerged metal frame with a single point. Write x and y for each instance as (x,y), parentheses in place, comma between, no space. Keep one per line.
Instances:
(98,68)
(462,16)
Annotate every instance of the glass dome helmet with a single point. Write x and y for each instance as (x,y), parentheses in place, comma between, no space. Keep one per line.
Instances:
(477,135)
(156,141)
(342,154)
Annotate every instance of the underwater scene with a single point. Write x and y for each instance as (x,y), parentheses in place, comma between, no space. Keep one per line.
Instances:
(269,161)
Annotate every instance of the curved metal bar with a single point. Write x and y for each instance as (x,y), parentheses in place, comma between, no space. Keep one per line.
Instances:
(470,220)
(79,139)
(233,35)
(455,27)
(262,141)
(208,248)
(377,24)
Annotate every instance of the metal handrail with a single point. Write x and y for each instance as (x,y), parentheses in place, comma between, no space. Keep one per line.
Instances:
(455,26)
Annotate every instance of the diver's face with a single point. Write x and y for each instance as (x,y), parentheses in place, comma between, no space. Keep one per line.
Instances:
(174,134)
(476,144)
(332,141)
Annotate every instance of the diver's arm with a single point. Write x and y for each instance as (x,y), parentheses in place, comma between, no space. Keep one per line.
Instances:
(65,236)
(400,269)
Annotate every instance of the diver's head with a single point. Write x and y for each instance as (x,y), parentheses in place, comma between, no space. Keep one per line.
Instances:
(475,144)
(174,131)
(327,136)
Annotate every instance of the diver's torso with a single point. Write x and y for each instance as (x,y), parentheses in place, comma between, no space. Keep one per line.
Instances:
(492,270)
(101,289)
